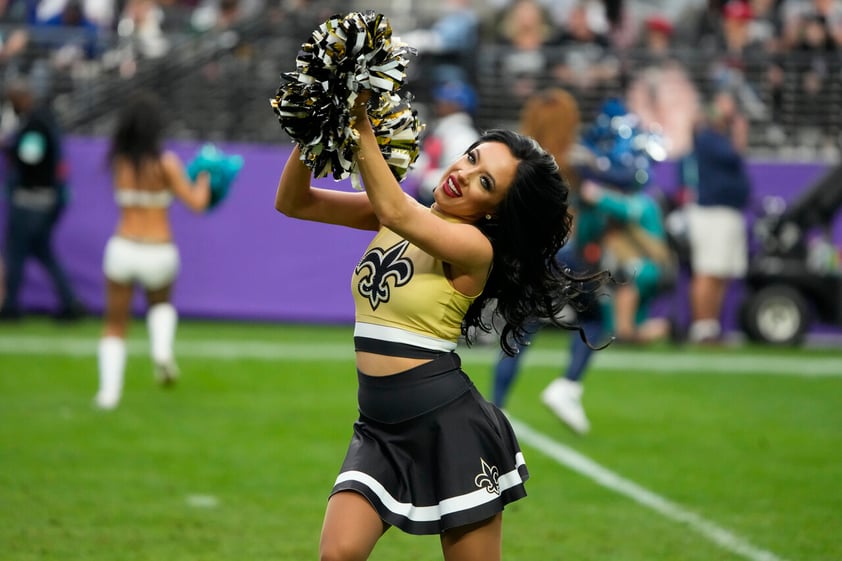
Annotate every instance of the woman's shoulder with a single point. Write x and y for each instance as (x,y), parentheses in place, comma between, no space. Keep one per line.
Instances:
(169,158)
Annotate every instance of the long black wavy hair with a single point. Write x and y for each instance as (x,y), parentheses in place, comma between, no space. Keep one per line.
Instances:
(528,228)
(138,131)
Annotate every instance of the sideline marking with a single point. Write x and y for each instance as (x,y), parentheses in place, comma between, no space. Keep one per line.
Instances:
(803,365)
(583,465)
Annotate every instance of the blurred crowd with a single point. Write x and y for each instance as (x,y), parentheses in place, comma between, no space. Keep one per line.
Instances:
(780,57)
(81,54)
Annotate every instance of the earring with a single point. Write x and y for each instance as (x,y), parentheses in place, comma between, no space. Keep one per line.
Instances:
(488,217)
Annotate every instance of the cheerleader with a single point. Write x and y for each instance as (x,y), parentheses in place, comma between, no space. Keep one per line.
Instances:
(142,252)
(429,454)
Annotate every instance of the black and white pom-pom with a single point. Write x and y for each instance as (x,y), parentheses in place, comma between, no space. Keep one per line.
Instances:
(346,55)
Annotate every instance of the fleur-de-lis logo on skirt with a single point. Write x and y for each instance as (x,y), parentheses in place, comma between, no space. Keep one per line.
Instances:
(487,478)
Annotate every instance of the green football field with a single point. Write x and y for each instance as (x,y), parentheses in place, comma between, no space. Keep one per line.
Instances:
(696,454)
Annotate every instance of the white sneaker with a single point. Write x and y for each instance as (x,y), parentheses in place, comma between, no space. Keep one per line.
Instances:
(564,398)
(166,373)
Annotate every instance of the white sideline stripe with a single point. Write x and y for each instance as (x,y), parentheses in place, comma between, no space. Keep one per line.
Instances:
(804,365)
(585,466)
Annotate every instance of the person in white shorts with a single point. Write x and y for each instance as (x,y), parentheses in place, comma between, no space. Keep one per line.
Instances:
(716,171)
(141,251)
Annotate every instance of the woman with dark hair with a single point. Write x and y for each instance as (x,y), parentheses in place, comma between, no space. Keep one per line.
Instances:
(146,178)
(429,454)
(553,119)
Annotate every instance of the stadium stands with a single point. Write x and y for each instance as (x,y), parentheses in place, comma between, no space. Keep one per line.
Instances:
(218,80)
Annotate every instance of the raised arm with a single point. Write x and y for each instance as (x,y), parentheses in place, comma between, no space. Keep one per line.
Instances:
(460,244)
(196,195)
(296,198)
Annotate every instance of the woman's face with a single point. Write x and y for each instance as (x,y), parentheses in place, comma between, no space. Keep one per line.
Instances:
(475,184)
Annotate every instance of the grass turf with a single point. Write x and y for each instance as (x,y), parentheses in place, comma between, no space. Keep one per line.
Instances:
(235,463)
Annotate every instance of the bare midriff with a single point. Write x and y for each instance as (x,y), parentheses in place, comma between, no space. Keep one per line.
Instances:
(382,365)
(150,225)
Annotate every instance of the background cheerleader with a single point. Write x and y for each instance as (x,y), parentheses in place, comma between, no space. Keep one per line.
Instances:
(141,251)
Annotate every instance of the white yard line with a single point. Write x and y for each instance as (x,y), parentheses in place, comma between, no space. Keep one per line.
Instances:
(585,466)
(805,364)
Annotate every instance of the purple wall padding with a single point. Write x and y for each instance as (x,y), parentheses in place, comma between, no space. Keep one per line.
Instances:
(246,261)
(243,260)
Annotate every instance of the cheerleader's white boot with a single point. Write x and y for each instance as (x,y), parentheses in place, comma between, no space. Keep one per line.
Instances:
(161,321)
(111,356)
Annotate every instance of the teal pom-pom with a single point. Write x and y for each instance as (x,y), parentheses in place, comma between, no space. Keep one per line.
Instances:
(223,169)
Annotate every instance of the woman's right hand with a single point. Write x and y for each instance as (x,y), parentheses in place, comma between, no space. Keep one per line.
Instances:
(360,109)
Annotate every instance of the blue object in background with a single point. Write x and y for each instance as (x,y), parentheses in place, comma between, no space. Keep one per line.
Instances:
(623,150)
(223,170)
(458,92)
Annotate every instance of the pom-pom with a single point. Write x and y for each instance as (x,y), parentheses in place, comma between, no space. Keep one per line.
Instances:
(344,56)
(223,170)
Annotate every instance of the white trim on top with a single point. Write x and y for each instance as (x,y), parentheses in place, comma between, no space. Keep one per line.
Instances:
(397,335)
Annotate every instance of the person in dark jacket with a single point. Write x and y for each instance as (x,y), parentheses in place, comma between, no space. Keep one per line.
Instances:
(715,174)
(36,184)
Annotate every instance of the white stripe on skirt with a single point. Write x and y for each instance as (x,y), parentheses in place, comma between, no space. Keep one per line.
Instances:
(446,506)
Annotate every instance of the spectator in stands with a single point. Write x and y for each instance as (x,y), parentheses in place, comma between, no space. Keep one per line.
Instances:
(453,129)
(552,118)
(706,34)
(527,56)
(657,41)
(224,15)
(766,30)
(715,172)
(100,13)
(766,27)
(660,92)
(813,36)
(12,44)
(450,44)
(76,37)
(742,62)
(142,251)
(141,30)
(588,60)
(36,180)
(796,13)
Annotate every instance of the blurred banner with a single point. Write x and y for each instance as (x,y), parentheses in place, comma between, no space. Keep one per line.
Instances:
(245,261)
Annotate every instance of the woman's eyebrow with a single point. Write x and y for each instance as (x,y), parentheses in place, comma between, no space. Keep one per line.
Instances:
(491,177)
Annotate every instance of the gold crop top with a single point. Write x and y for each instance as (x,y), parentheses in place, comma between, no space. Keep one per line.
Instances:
(402,296)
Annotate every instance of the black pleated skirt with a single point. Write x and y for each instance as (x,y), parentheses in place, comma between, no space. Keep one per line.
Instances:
(429,452)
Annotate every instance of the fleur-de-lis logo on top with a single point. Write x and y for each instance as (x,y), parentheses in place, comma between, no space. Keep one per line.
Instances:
(382,266)
(487,478)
